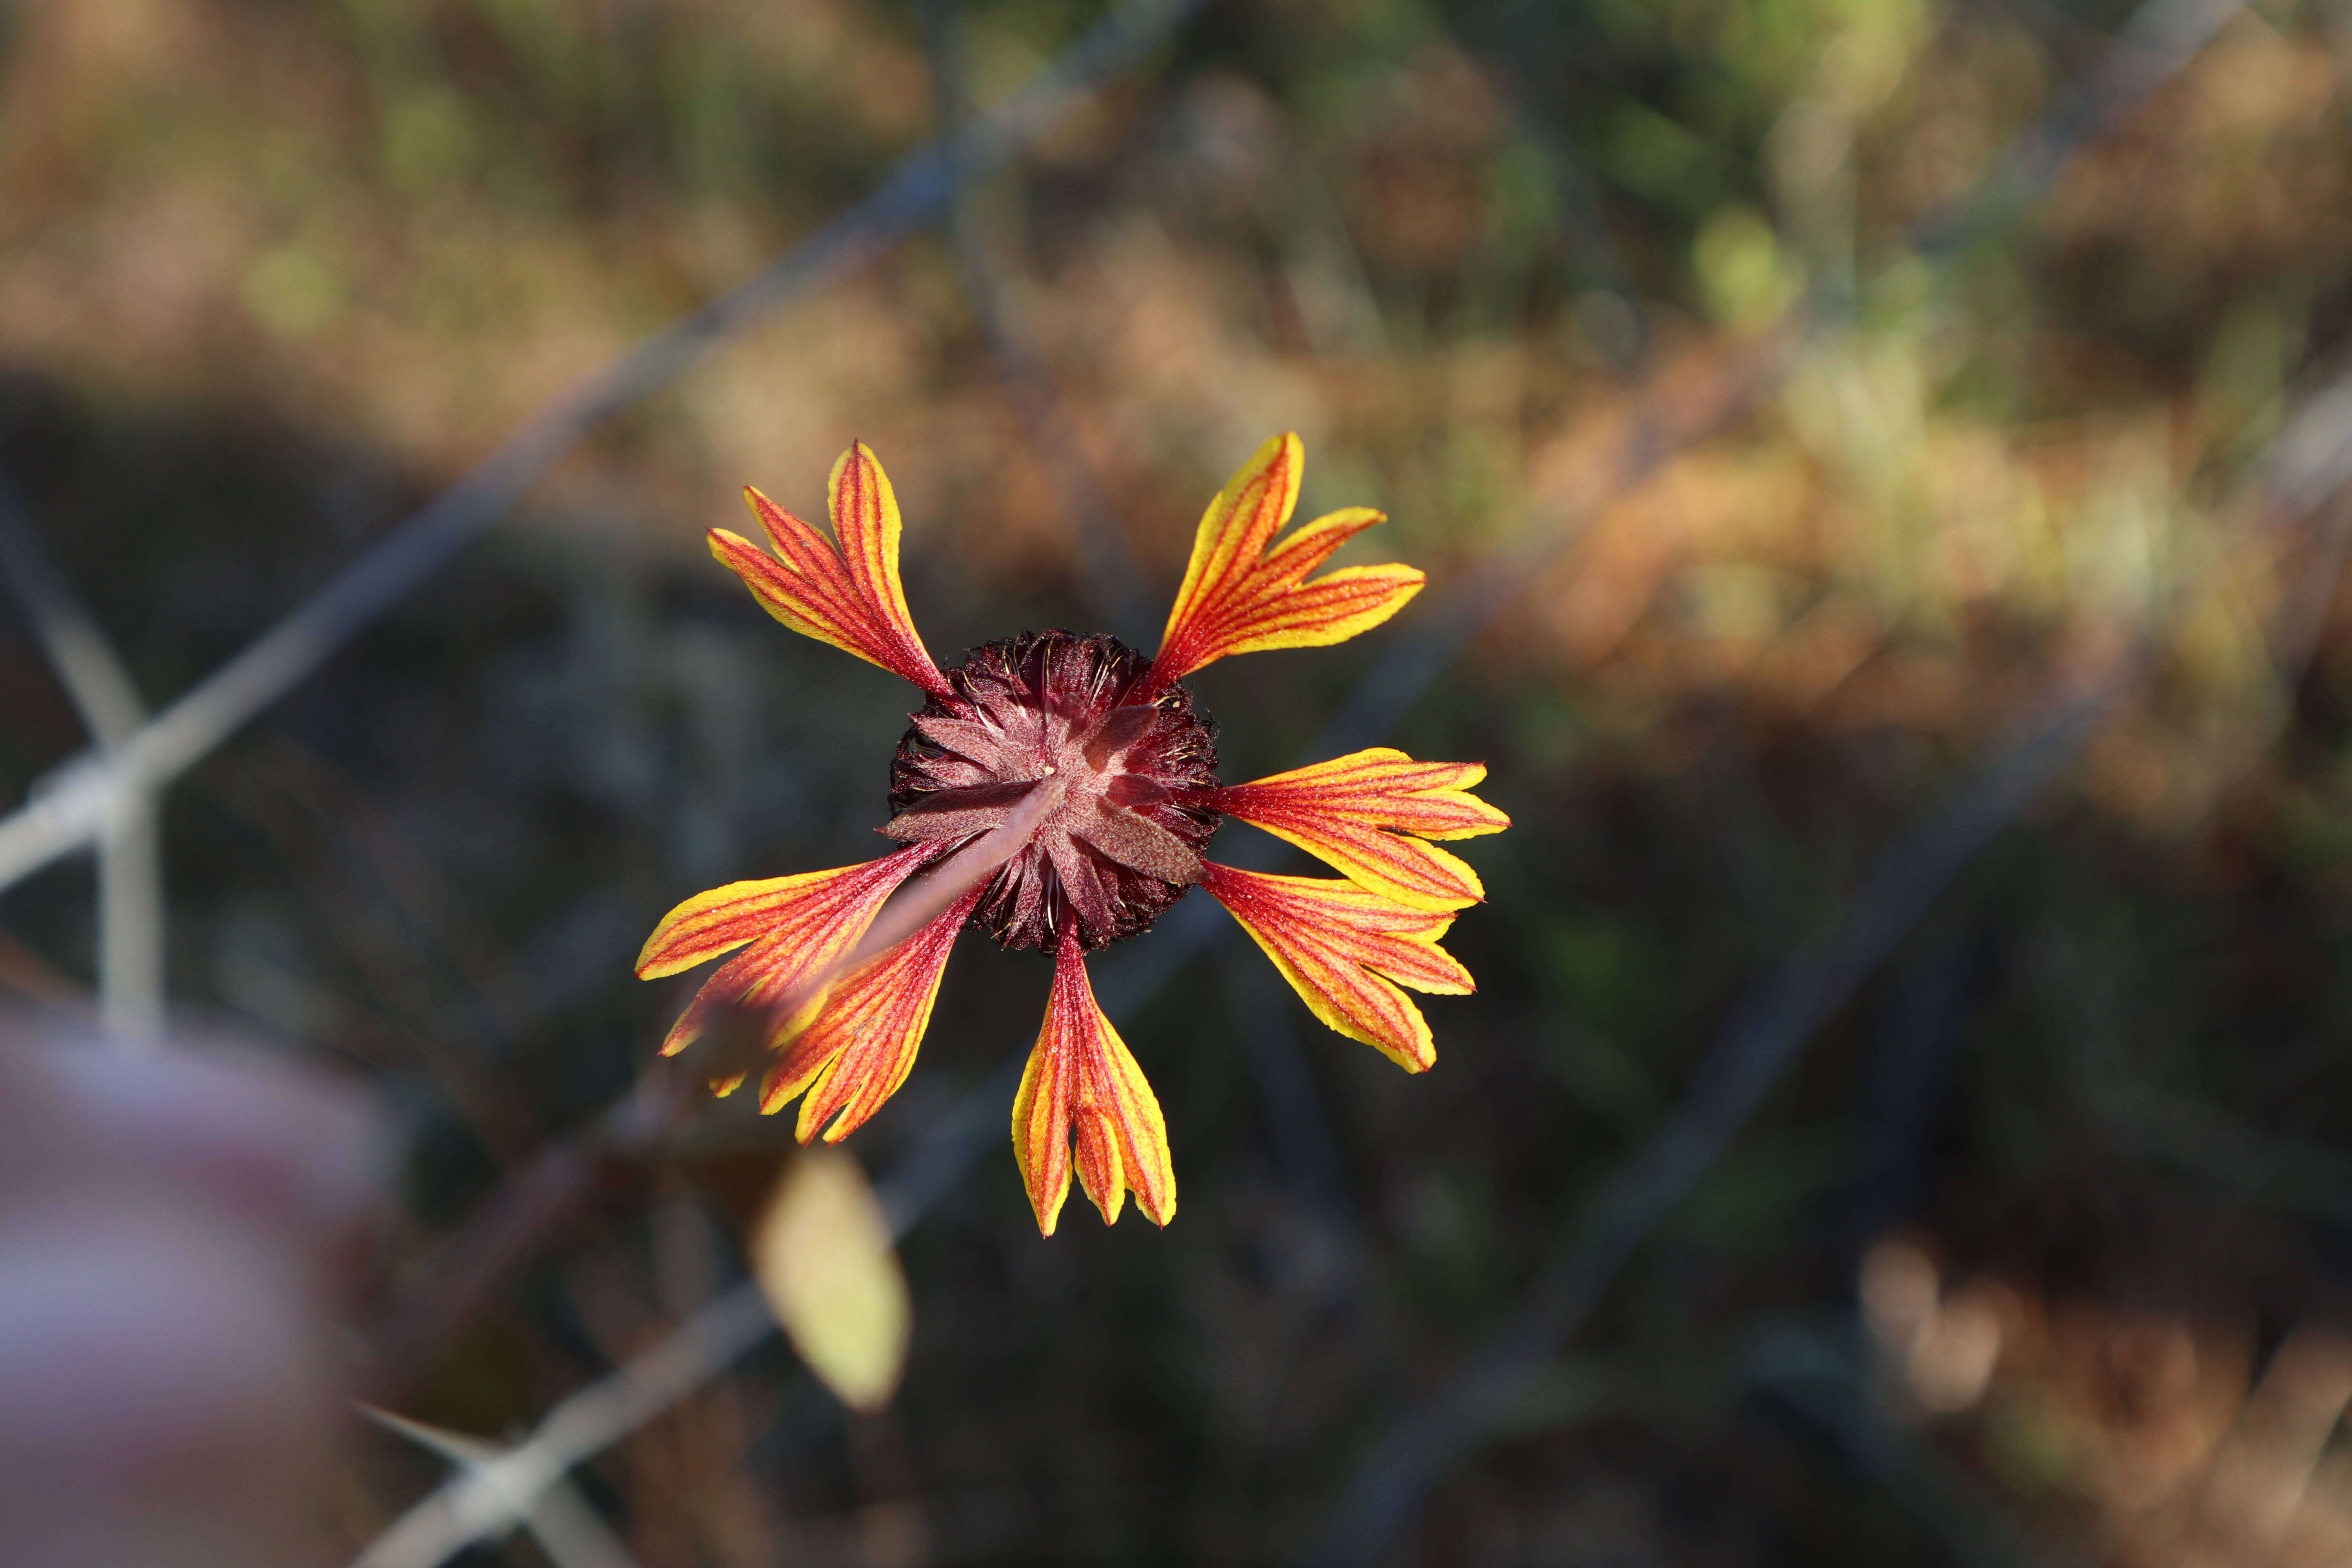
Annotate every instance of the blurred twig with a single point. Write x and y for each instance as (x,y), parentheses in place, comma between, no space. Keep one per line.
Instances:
(73,806)
(94,678)
(493,1495)
(533,1205)
(2149,50)
(130,911)
(1306,1145)
(1529,42)
(567,1529)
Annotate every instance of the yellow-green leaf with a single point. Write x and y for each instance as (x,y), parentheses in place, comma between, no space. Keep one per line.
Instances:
(821,1251)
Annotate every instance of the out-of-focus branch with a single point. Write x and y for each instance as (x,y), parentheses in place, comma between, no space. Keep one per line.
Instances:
(493,1495)
(71,807)
(131,920)
(567,1529)
(2149,50)
(508,1228)
(100,687)
(131,867)
(2307,465)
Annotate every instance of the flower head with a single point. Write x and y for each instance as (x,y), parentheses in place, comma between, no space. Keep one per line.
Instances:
(1057,792)
(1068,721)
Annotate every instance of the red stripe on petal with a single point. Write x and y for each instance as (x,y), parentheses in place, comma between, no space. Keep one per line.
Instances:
(1332,609)
(864,511)
(1232,540)
(1351,810)
(1345,950)
(709,924)
(796,925)
(814,564)
(858,1050)
(848,595)
(1405,870)
(807,606)
(1041,1131)
(1082,1087)
(1242,593)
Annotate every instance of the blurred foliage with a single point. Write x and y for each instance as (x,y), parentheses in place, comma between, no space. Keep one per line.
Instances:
(271,271)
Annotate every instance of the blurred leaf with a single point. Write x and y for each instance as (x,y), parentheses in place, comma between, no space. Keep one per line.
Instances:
(1748,280)
(821,1251)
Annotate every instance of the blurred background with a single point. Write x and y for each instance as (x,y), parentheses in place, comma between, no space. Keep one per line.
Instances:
(1799,405)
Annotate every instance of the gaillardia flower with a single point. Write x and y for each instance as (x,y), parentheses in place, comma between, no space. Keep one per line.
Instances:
(1056,792)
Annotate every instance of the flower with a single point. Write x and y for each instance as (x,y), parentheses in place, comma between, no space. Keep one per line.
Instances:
(1057,792)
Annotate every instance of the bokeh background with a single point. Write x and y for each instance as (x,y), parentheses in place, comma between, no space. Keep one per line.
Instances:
(1796,404)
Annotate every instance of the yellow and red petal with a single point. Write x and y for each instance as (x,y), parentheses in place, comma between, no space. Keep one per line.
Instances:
(850,596)
(1351,811)
(859,1048)
(1345,950)
(796,926)
(1083,1087)
(864,511)
(1242,593)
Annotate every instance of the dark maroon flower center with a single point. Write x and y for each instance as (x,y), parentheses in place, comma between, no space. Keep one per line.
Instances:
(1041,725)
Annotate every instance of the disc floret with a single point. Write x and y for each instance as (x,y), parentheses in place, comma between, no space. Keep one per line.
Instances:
(1060,719)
